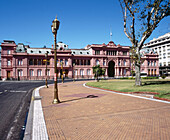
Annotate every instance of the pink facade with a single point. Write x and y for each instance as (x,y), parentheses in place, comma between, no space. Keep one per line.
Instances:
(21,61)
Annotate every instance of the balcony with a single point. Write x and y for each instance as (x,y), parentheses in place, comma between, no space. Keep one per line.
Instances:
(6,66)
(6,55)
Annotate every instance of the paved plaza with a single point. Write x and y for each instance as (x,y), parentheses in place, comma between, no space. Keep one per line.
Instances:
(102,115)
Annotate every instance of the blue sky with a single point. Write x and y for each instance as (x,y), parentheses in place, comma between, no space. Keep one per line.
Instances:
(82,22)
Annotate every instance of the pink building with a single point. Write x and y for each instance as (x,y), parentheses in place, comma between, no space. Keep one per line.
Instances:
(21,61)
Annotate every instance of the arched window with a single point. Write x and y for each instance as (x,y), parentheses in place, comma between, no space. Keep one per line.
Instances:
(148,71)
(155,72)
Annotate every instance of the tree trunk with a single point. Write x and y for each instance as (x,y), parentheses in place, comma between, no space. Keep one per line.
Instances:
(137,71)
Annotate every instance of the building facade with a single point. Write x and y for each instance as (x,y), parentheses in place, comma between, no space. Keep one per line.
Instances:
(161,45)
(0,63)
(25,63)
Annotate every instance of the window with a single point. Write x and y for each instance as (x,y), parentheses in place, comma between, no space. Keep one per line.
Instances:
(88,72)
(9,63)
(66,62)
(97,52)
(151,63)
(155,72)
(97,62)
(80,62)
(39,61)
(20,73)
(151,71)
(119,63)
(8,51)
(124,53)
(88,62)
(76,72)
(124,62)
(31,62)
(112,53)
(168,63)
(104,63)
(154,63)
(48,72)
(148,71)
(19,62)
(61,61)
(31,72)
(39,72)
(124,71)
(148,63)
(35,61)
(48,61)
(81,72)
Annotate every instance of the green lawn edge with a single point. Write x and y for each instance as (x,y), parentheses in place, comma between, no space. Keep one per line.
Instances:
(159,87)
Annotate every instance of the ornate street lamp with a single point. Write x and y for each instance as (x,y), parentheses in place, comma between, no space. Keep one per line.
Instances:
(54,27)
(46,55)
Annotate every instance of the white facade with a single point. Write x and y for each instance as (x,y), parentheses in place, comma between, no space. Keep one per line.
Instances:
(161,45)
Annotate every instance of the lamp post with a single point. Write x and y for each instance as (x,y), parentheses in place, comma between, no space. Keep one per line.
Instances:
(46,55)
(73,72)
(54,27)
(62,77)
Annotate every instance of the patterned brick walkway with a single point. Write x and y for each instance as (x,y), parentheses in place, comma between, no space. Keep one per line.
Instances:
(106,116)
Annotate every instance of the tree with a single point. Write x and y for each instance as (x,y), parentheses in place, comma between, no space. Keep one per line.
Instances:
(141,17)
(98,71)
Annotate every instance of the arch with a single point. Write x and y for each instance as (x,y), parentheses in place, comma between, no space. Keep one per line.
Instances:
(111,69)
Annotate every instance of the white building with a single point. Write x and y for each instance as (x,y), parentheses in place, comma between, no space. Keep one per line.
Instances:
(161,45)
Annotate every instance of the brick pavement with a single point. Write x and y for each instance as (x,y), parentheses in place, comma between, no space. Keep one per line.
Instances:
(108,116)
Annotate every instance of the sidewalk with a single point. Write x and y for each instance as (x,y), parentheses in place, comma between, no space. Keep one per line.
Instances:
(105,116)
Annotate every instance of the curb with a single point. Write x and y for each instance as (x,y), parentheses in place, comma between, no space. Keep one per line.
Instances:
(121,93)
(29,125)
(36,128)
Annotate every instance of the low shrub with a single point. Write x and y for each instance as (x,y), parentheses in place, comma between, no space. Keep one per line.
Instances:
(163,76)
(150,77)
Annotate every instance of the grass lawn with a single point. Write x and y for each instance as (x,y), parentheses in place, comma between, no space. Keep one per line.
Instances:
(161,86)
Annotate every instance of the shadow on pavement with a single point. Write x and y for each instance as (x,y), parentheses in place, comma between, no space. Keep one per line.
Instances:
(89,96)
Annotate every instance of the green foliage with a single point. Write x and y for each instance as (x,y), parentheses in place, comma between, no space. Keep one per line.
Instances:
(98,71)
(150,77)
(163,76)
(129,78)
(165,96)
